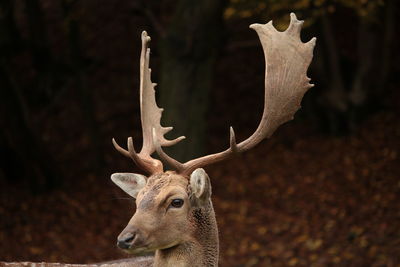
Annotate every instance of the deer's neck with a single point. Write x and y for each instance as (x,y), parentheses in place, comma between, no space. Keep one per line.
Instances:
(202,250)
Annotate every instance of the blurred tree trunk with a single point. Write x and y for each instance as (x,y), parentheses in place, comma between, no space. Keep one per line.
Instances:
(25,155)
(344,104)
(362,85)
(45,78)
(10,38)
(39,43)
(188,52)
(79,71)
(335,97)
(22,151)
(387,45)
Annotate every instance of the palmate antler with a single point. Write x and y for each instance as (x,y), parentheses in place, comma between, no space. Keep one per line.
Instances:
(150,117)
(287,59)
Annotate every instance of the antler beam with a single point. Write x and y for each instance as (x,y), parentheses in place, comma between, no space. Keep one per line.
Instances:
(150,117)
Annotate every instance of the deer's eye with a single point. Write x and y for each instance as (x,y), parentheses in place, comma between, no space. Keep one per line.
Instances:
(177,203)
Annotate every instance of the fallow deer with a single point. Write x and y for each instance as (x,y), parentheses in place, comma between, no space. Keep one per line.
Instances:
(174,216)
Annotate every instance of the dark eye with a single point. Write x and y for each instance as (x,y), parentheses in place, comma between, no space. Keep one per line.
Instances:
(177,203)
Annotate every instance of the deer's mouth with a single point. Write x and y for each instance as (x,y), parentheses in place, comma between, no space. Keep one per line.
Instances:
(146,249)
(139,251)
(138,248)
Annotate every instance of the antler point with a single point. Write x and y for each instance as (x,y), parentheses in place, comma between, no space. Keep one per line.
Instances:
(312,42)
(115,143)
(293,16)
(177,140)
(130,145)
(254,26)
(166,129)
(145,38)
(232,140)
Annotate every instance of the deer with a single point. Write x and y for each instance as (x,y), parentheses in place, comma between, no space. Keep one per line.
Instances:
(174,217)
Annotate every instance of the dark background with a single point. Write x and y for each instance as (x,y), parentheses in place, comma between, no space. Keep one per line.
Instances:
(323,191)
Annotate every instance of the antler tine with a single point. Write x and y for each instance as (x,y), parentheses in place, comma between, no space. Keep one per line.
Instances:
(171,162)
(120,149)
(287,59)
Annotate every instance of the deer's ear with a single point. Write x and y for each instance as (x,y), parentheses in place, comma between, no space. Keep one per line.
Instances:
(200,185)
(131,183)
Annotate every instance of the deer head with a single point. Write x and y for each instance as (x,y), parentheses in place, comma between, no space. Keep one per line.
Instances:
(164,203)
(174,207)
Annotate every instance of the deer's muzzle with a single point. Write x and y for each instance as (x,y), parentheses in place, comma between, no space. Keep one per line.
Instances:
(125,240)
(131,239)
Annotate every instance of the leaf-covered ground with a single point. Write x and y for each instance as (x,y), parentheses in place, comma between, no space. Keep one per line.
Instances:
(298,200)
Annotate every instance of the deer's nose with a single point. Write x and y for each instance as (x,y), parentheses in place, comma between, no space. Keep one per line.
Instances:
(126,240)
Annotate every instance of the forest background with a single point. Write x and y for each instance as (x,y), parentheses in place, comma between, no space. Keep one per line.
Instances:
(323,191)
